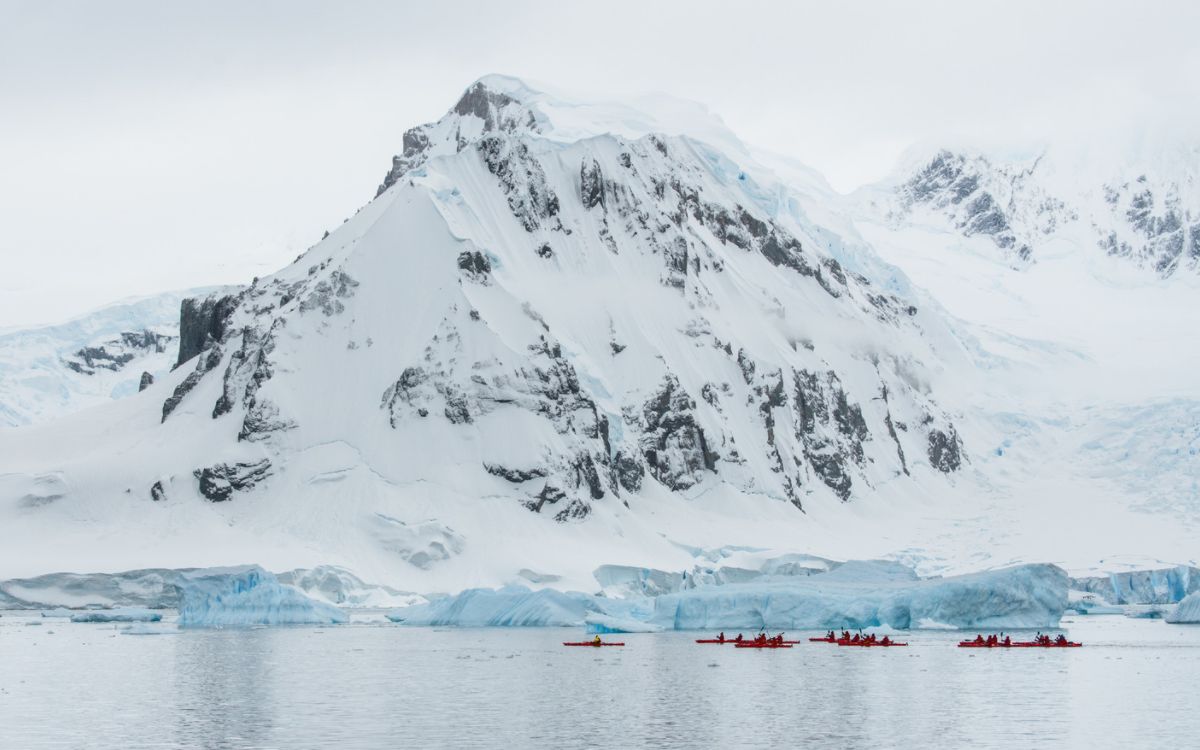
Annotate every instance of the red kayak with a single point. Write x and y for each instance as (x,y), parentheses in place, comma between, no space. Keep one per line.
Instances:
(871,644)
(718,640)
(1033,644)
(593,644)
(823,640)
(749,644)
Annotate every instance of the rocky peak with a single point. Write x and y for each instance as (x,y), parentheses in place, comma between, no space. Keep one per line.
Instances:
(484,108)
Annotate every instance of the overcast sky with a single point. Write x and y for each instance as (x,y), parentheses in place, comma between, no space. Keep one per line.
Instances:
(147,146)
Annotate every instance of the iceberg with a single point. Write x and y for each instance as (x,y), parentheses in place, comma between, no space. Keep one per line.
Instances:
(874,594)
(116,615)
(1186,612)
(246,596)
(511,606)
(600,624)
(1160,586)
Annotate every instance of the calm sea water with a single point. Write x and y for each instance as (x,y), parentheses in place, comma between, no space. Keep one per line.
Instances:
(63,685)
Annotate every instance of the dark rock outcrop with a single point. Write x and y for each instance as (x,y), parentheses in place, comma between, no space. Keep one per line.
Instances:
(145,382)
(673,444)
(203,322)
(945,450)
(219,482)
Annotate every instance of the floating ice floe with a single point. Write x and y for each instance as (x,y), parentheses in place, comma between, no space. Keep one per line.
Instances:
(117,615)
(1187,611)
(145,628)
(248,596)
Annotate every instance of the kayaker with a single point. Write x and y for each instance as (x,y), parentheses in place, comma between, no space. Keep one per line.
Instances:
(979,639)
(886,641)
(739,638)
(596,640)
(721,636)
(1007,640)
(1061,639)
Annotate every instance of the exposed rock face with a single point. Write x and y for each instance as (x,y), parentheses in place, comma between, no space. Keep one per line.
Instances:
(1162,231)
(219,482)
(145,382)
(944,450)
(157,492)
(1144,220)
(673,444)
(114,354)
(831,429)
(961,188)
(203,322)
(523,181)
(211,360)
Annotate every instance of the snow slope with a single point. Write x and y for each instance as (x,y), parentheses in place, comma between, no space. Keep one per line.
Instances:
(49,371)
(567,335)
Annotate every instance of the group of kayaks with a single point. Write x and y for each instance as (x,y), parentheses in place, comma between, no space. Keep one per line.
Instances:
(1041,641)
(763,641)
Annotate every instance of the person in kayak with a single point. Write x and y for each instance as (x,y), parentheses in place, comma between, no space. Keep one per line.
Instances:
(829,636)
(845,635)
(721,636)
(596,640)
(979,639)
(1007,640)
(738,639)
(1060,640)
(886,641)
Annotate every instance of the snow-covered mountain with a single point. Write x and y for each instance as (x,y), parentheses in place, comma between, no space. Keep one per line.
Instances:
(49,371)
(567,334)
(1144,210)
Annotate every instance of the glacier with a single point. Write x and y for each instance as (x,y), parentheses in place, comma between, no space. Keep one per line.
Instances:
(246,596)
(1186,612)
(860,595)
(856,594)
(1156,586)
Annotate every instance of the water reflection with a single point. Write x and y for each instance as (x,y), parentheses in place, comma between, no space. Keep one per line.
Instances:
(224,696)
(384,687)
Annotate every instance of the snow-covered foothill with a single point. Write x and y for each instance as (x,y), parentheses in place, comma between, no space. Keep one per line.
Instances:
(1186,612)
(246,596)
(875,594)
(117,615)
